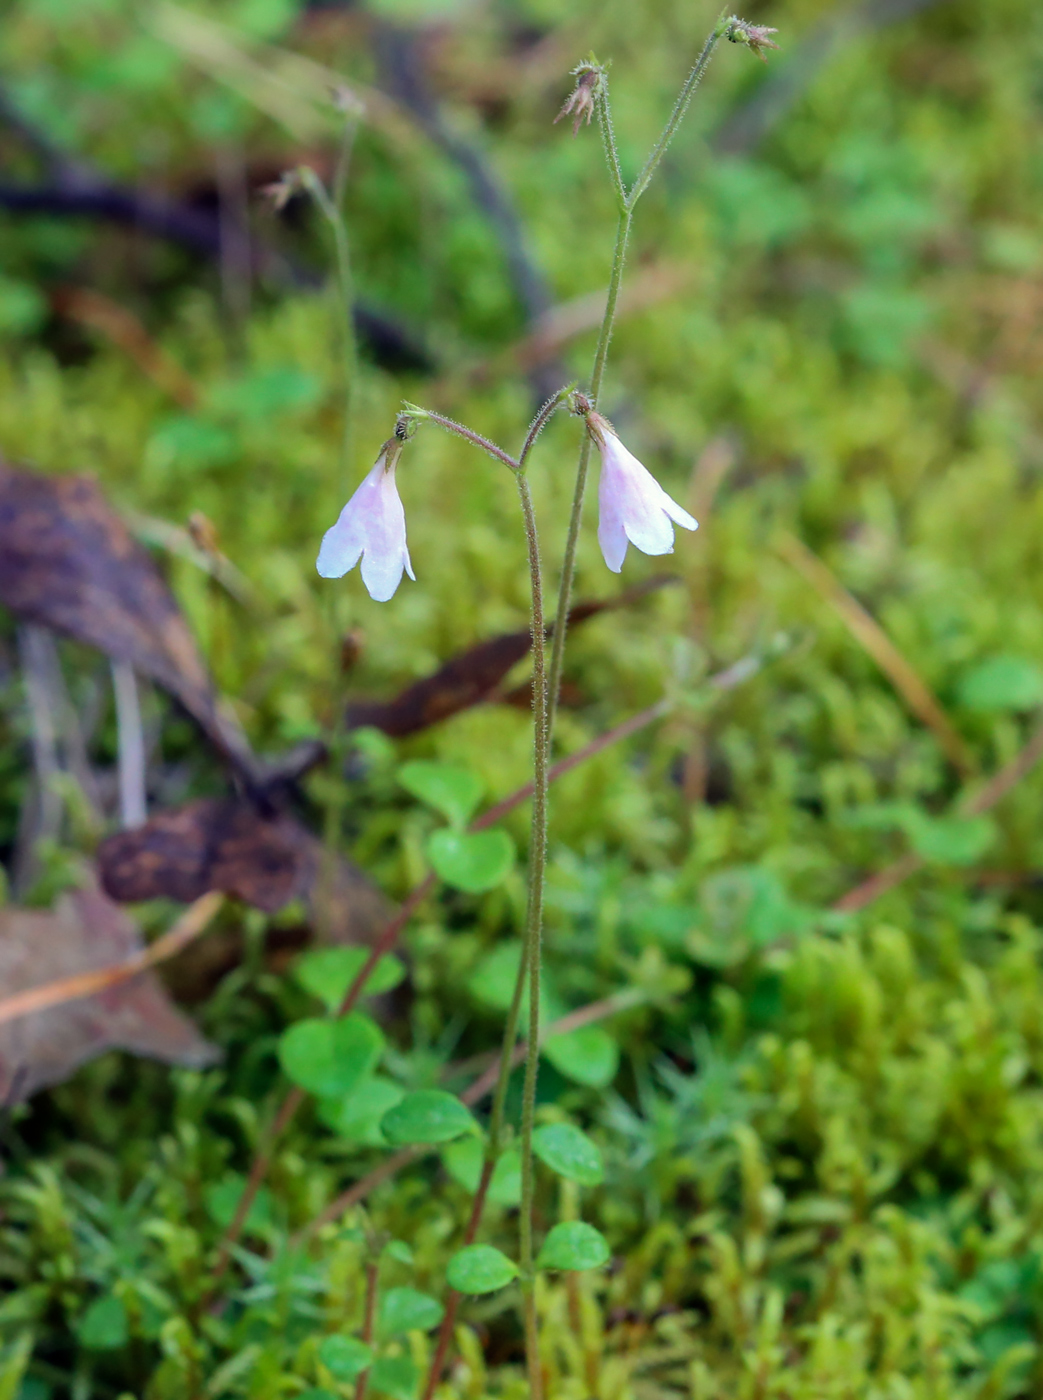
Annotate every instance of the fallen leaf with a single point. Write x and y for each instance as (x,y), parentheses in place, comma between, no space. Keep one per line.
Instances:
(68,562)
(475,675)
(226,844)
(84,931)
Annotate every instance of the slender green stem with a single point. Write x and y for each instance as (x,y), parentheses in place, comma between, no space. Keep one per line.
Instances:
(468,434)
(608,136)
(626,215)
(541,420)
(568,565)
(533,938)
(677,115)
(346,299)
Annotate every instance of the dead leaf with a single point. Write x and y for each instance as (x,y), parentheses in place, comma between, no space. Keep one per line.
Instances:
(83,932)
(225,844)
(68,562)
(475,675)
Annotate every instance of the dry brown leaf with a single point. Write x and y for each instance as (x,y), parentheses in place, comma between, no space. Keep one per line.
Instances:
(225,844)
(68,562)
(84,931)
(475,675)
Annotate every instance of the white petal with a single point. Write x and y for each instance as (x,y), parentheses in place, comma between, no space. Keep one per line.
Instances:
(341,547)
(612,535)
(678,513)
(372,525)
(633,505)
(381,573)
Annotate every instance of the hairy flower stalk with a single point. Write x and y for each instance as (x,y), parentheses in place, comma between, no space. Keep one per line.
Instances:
(371,527)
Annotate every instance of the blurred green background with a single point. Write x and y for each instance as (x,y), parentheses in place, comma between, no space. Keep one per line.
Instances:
(824,1132)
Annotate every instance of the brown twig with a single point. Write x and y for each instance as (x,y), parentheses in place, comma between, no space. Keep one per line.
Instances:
(87,984)
(875,641)
(372,1272)
(120,326)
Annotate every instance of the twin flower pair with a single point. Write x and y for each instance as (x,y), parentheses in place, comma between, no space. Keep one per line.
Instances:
(634,509)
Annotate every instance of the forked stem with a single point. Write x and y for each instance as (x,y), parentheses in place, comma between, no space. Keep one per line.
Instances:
(627,201)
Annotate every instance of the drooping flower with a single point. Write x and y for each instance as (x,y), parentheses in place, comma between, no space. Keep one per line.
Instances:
(371,527)
(634,508)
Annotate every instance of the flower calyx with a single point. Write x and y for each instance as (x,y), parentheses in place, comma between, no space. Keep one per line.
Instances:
(754,36)
(582,100)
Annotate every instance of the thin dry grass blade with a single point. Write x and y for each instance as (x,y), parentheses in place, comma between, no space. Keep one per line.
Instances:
(875,641)
(86,984)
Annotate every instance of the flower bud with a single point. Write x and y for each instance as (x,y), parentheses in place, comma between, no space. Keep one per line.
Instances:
(581,101)
(754,36)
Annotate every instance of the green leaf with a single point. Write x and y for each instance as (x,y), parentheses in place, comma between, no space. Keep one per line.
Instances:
(454,792)
(188,442)
(472,861)
(569,1152)
(396,1376)
(357,1116)
(574,1245)
(221,1199)
(1001,683)
(328,973)
(479,1268)
(407,1310)
(493,979)
(345,1357)
(264,395)
(398,1249)
(427,1115)
(103,1327)
(463,1161)
(587,1056)
(329,1058)
(950,840)
(23,307)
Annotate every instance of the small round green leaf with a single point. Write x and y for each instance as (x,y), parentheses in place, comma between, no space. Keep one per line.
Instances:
(104,1326)
(1002,683)
(330,1057)
(951,840)
(427,1115)
(357,1116)
(345,1357)
(454,792)
(569,1152)
(407,1310)
(479,1268)
(574,1245)
(463,1161)
(398,1249)
(396,1376)
(588,1056)
(473,861)
(328,973)
(222,1198)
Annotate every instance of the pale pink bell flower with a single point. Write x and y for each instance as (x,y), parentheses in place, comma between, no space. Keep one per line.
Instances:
(634,508)
(372,526)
